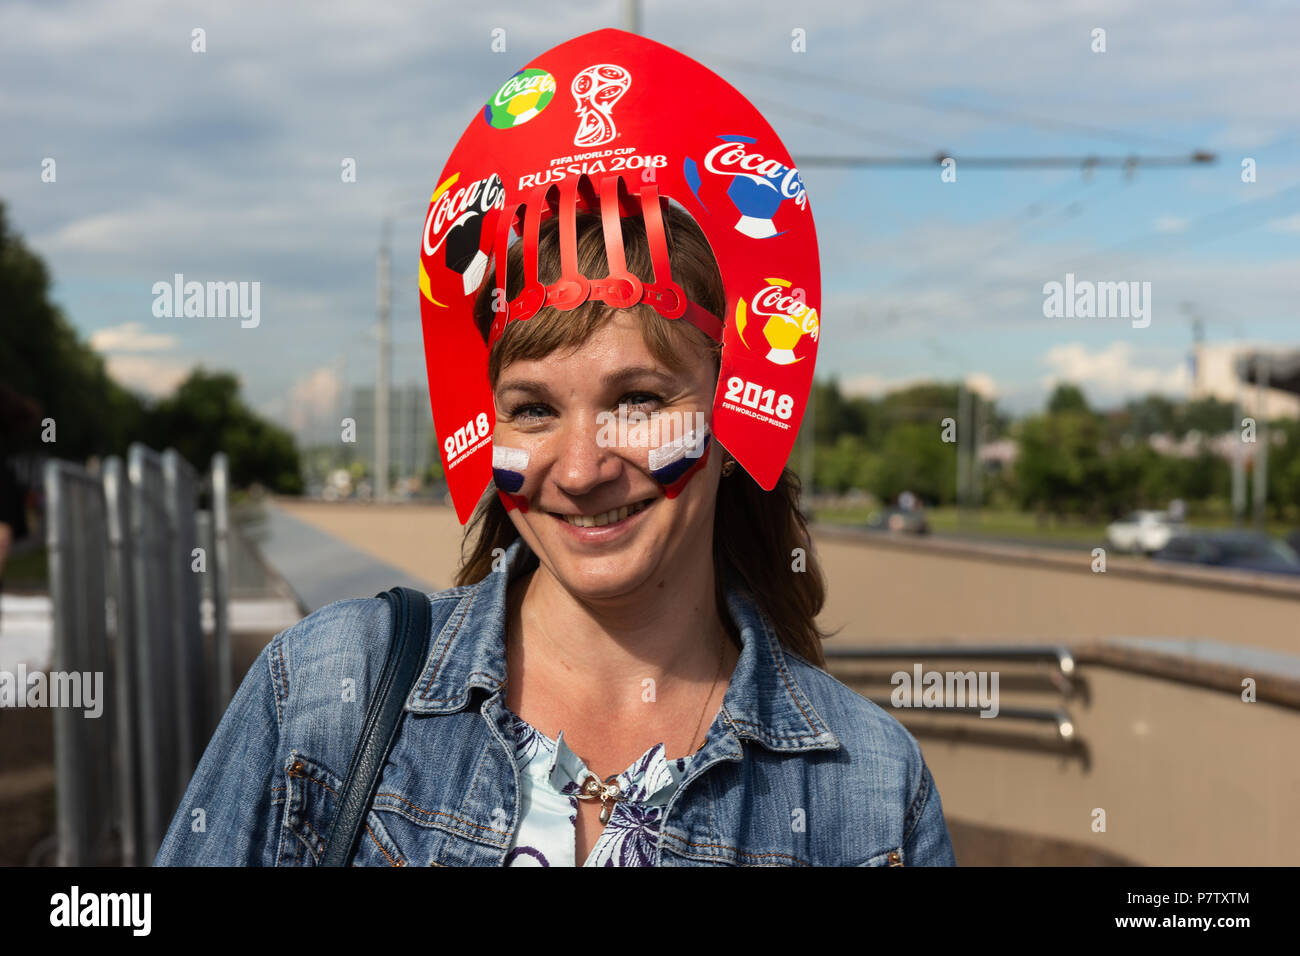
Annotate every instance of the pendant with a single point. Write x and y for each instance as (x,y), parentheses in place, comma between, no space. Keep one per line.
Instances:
(607,793)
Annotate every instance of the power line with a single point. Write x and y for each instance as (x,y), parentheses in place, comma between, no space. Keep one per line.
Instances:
(1128,163)
(1019,282)
(1016,231)
(839,125)
(841,83)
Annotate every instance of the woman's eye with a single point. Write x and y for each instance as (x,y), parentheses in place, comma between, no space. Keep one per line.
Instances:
(535,411)
(522,411)
(647,398)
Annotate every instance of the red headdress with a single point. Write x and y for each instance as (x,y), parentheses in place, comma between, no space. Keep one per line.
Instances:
(615,123)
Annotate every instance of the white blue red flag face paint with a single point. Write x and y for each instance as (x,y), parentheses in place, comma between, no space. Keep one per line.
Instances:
(616,123)
(508,467)
(668,448)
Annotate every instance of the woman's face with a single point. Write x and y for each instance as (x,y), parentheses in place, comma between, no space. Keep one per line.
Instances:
(563,411)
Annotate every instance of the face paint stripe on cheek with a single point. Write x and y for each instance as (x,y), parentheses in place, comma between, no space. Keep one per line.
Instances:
(670,462)
(513,502)
(675,489)
(508,466)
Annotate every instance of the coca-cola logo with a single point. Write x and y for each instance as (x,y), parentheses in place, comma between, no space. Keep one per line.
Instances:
(522,83)
(453,207)
(520,99)
(733,159)
(777,300)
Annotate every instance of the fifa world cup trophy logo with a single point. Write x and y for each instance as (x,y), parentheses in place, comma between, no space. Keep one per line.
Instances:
(597,89)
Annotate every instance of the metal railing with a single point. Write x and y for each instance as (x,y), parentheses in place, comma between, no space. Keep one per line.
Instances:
(126,564)
(76,539)
(220,537)
(1059,675)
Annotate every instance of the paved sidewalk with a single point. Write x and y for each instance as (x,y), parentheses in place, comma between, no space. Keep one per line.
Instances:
(321,567)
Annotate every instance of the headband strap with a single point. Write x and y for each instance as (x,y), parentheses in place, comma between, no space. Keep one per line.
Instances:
(620,289)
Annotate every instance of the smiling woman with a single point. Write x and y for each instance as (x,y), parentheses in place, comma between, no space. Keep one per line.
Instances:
(628,670)
(553,375)
(633,558)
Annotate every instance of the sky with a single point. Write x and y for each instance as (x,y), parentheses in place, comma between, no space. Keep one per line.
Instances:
(225,165)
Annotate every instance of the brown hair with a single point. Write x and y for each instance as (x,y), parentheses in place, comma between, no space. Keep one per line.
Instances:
(755,532)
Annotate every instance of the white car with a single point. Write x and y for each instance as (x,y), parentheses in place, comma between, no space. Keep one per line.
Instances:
(1143,531)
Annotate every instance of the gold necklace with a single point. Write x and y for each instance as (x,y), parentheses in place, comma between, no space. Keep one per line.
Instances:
(608,792)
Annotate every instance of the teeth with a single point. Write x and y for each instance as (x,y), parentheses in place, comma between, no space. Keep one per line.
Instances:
(597,521)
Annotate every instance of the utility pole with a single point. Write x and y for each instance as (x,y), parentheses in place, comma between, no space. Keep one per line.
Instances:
(965,445)
(1262,371)
(632,16)
(976,486)
(1238,450)
(383,300)
(808,450)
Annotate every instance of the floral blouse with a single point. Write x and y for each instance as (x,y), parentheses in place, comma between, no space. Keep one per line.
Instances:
(550,775)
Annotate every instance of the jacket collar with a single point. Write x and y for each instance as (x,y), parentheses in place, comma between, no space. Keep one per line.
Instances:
(763,703)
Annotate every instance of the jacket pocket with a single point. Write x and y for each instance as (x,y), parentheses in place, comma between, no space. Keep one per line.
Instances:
(311,799)
(892,857)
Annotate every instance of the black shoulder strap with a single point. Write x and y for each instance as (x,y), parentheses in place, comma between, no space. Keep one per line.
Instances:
(406,653)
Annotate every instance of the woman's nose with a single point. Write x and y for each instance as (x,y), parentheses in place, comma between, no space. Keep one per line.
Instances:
(583,460)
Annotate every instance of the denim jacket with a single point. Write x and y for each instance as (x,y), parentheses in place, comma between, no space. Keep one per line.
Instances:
(796,769)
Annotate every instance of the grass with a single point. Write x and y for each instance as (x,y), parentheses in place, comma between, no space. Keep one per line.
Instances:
(27,570)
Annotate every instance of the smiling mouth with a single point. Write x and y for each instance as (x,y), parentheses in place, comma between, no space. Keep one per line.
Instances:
(609,517)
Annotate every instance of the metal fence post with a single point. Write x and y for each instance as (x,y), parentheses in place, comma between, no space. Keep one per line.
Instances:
(181,490)
(154,651)
(85,799)
(223,687)
(122,628)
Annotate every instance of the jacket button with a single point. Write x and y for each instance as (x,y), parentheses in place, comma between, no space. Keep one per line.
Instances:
(297,769)
(894,859)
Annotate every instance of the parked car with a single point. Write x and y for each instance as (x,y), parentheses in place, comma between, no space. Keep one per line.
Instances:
(1143,531)
(1243,550)
(1293,539)
(908,521)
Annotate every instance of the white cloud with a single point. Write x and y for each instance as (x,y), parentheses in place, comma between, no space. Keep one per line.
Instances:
(983,385)
(873,386)
(1170,224)
(314,399)
(130,337)
(153,376)
(1110,373)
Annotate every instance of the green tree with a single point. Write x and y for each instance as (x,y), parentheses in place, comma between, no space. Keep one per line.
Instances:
(843,466)
(206,415)
(42,359)
(1153,414)
(1067,398)
(1209,416)
(1060,468)
(1284,465)
(916,459)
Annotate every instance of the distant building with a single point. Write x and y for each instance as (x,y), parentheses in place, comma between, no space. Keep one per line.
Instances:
(1219,370)
(410,428)
(996,455)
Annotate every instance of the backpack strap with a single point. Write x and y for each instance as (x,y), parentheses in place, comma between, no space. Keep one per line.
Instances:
(406,653)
